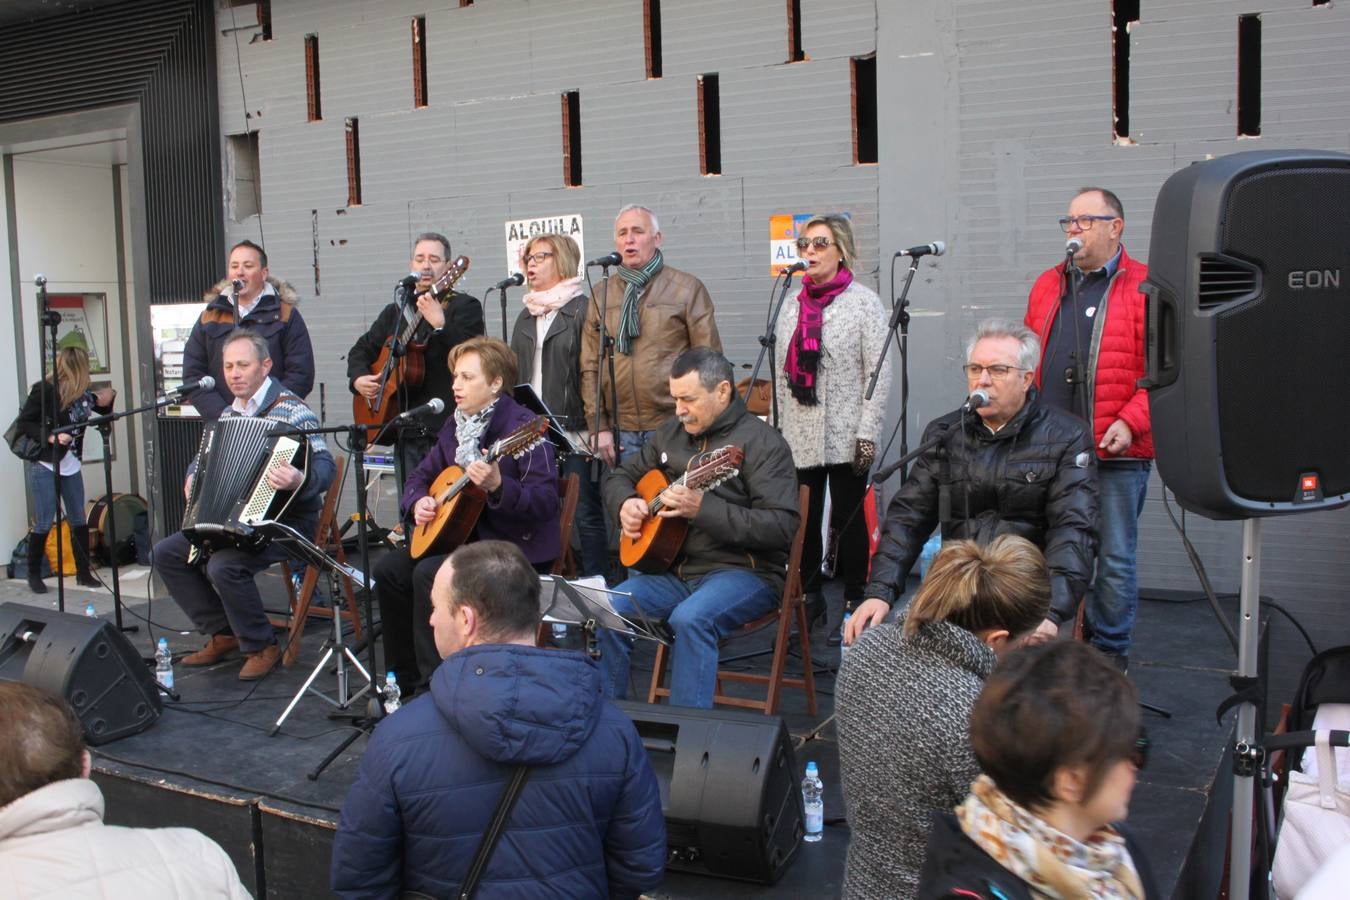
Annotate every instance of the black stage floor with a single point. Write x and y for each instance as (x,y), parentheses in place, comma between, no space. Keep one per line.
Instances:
(209,761)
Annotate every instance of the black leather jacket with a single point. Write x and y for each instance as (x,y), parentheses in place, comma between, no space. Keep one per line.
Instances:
(1035,478)
(562,360)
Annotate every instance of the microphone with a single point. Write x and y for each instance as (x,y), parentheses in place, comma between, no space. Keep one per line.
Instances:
(205,383)
(39,279)
(977,399)
(237,285)
(937,248)
(800,265)
(510,281)
(609,259)
(408,282)
(435,406)
(1072,247)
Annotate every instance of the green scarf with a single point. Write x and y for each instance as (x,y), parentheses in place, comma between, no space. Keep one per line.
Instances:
(635,282)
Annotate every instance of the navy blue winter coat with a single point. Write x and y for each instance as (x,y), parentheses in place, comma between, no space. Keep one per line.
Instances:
(588,822)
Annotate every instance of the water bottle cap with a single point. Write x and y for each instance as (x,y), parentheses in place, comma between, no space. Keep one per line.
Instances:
(163,642)
(811,768)
(389,676)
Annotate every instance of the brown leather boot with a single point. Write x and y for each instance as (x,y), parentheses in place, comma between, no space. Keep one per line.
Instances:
(218,647)
(259,664)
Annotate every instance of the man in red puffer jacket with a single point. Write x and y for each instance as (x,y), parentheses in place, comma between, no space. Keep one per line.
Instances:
(1092,358)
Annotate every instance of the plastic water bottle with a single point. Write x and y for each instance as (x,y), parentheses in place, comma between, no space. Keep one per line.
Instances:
(164,664)
(391,693)
(930,550)
(813,801)
(843,626)
(559,634)
(91,612)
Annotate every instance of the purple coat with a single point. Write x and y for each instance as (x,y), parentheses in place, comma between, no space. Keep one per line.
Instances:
(525,510)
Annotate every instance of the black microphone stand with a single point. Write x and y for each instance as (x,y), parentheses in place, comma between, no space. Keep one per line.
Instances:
(899,325)
(607,351)
(501,292)
(52,320)
(886,472)
(767,340)
(1076,376)
(103,423)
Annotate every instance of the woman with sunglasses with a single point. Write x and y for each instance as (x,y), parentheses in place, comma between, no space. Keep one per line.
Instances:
(827,344)
(904,697)
(1057,735)
(546,339)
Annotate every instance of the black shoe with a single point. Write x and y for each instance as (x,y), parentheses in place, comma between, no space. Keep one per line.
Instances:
(37,551)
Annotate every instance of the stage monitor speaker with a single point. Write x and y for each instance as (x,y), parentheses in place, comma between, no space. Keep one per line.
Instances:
(729,789)
(1248,320)
(85,660)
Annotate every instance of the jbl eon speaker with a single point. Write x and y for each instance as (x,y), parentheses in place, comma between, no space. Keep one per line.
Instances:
(729,789)
(85,660)
(1248,326)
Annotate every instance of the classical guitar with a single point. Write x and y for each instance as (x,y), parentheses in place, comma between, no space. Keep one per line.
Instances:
(409,367)
(459,501)
(656,547)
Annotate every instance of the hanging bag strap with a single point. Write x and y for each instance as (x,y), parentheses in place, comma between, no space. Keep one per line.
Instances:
(493,833)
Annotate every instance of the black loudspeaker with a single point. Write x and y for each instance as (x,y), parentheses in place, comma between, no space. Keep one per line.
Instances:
(1248,321)
(85,660)
(729,789)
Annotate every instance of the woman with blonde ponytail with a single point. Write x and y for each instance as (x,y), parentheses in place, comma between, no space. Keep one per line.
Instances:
(75,403)
(904,698)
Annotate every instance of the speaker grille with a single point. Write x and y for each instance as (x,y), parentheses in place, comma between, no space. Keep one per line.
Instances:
(1225,281)
(1281,409)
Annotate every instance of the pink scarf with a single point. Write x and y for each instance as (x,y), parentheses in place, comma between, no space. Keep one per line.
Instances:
(541,303)
(803,356)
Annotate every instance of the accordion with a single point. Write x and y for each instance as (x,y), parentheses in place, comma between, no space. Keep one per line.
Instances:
(230,496)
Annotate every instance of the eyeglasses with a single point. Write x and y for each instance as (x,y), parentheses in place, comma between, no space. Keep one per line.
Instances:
(1139,755)
(539,257)
(820,243)
(1083,223)
(973,371)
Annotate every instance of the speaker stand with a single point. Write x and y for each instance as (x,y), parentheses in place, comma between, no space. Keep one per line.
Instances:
(1247,752)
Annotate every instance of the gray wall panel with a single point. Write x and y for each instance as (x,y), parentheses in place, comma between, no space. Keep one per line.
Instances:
(844,27)
(698,36)
(787,118)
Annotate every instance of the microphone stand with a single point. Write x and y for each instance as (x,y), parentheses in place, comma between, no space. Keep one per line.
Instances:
(887,471)
(52,320)
(103,423)
(766,344)
(607,351)
(899,324)
(1076,376)
(506,338)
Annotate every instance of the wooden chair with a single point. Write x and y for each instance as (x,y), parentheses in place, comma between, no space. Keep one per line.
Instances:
(569,489)
(326,535)
(789,612)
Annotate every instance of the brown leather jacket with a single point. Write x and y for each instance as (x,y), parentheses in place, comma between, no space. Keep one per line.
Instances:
(674,314)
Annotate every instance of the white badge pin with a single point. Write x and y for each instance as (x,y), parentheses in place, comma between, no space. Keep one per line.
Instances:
(663,458)
(1090,311)
(1082,460)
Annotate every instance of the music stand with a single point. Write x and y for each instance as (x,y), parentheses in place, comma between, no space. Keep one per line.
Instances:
(302,549)
(526,396)
(585,603)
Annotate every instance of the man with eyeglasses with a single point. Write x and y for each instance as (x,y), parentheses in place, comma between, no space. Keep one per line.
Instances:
(1089,317)
(1014,466)
(440,329)
(653,313)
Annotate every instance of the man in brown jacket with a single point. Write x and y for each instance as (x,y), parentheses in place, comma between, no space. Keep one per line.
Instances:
(653,313)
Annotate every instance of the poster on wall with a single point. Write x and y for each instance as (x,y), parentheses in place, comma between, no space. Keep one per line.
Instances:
(783,233)
(170,326)
(519,232)
(84,324)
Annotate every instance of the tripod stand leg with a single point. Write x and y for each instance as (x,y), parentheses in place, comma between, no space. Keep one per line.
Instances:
(350,739)
(300,693)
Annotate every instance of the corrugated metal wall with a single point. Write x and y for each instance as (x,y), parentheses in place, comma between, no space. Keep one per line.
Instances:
(159,55)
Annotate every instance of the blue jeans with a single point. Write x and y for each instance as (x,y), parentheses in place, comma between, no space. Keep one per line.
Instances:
(700,612)
(631,442)
(41,483)
(1114,600)
(590,516)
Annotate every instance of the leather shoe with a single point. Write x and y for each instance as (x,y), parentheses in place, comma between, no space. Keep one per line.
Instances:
(218,647)
(259,664)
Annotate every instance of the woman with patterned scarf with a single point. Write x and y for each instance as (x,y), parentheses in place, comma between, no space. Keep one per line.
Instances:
(1056,732)
(521,506)
(827,344)
(546,339)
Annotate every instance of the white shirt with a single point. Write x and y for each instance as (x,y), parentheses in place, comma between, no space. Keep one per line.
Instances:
(251,406)
(247,307)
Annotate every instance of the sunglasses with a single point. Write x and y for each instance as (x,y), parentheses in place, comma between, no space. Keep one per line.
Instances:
(820,243)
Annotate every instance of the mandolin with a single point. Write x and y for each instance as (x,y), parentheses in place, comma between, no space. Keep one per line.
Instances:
(655,549)
(459,501)
(407,368)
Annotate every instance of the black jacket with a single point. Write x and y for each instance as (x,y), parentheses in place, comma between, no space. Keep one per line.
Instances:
(31,422)
(955,868)
(276,318)
(1036,478)
(746,522)
(561,379)
(463,320)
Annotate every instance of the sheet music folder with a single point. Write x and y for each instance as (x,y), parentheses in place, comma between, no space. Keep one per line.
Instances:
(525,395)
